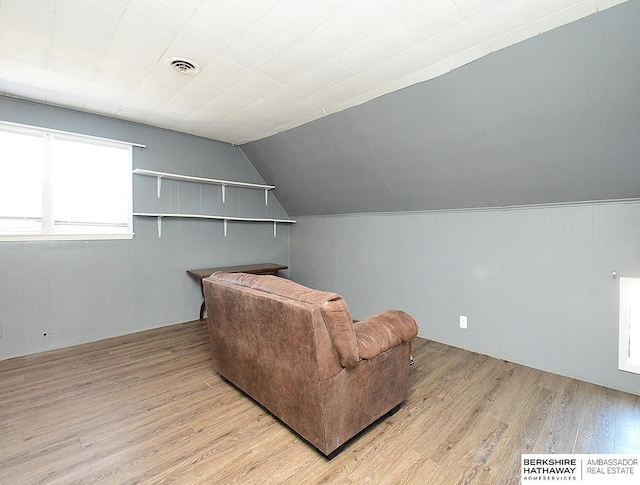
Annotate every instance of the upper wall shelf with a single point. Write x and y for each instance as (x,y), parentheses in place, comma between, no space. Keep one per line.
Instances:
(201,180)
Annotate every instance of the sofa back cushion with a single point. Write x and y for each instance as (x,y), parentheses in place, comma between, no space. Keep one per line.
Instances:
(335,312)
(338,321)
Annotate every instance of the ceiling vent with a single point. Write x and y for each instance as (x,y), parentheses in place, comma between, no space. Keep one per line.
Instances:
(183,66)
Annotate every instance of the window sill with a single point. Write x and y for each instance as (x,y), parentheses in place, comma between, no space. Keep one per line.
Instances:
(63,237)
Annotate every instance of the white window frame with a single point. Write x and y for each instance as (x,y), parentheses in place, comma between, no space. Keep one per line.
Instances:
(68,232)
(629,317)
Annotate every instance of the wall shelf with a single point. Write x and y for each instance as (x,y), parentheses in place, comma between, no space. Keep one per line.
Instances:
(202,180)
(224,219)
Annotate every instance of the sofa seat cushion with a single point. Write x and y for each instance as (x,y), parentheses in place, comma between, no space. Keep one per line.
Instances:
(384,331)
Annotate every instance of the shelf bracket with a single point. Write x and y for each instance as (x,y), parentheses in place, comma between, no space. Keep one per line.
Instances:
(159,186)
(275,225)
(266,196)
(223,193)
(225,227)
(159,225)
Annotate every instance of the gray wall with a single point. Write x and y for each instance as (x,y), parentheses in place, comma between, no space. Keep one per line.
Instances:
(79,291)
(535,283)
(551,119)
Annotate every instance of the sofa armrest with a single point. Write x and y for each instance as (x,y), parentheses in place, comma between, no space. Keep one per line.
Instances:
(384,331)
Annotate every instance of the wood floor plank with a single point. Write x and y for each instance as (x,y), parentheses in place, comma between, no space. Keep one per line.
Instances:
(148,408)
(589,443)
(465,462)
(598,409)
(627,423)
(474,409)
(560,430)
(520,437)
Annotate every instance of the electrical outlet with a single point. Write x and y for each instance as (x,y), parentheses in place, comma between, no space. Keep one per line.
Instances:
(463,321)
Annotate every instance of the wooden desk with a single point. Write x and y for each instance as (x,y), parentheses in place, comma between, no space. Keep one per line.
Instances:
(260,269)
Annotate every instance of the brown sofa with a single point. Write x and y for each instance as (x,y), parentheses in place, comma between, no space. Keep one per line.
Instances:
(297,352)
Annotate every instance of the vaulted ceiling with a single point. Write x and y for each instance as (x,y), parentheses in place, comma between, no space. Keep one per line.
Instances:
(553,119)
(265,66)
(360,105)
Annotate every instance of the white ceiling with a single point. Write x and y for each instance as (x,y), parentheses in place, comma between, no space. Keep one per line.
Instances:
(266,65)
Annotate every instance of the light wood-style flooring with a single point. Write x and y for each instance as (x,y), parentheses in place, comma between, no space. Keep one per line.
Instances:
(148,408)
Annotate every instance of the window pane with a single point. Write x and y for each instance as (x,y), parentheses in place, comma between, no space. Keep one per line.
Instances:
(91,186)
(21,171)
(629,345)
(634,321)
(56,185)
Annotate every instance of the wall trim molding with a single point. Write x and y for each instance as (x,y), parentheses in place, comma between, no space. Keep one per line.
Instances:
(550,205)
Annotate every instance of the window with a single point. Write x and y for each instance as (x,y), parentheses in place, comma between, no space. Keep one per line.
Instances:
(629,355)
(56,185)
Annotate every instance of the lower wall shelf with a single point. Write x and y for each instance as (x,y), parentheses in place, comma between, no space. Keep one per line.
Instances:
(224,219)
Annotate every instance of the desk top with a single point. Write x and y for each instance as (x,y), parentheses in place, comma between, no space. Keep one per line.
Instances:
(260,268)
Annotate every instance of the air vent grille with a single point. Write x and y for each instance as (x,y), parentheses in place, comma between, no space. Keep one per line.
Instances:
(183,66)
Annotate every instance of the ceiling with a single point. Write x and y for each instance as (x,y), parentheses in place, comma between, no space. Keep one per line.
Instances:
(551,120)
(265,65)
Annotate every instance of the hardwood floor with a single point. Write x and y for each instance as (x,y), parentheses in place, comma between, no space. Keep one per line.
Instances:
(148,408)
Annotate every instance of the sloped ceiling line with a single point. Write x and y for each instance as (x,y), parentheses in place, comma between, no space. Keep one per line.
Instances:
(266,65)
(553,119)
